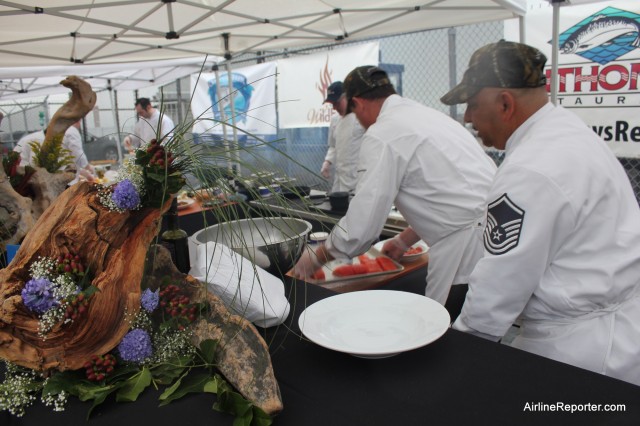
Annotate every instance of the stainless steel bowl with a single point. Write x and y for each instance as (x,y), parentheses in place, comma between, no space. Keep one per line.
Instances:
(273,243)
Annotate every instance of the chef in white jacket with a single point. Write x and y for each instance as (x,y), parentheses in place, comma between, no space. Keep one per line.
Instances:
(563,228)
(151,125)
(345,139)
(430,166)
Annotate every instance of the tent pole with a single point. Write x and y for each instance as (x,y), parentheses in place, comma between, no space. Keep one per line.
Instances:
(236,146)
(114,107)
(554,51)
(223,119)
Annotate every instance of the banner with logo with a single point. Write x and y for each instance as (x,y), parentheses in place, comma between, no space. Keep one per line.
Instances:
(598,65)
(254,97)
(303,82)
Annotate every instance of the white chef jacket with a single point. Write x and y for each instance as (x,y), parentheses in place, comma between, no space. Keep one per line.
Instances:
(562,250)
(145,130)
(345,139)
(24,148)
(437,175)
(71,141)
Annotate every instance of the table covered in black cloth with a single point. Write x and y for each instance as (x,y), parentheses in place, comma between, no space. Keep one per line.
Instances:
(457,380)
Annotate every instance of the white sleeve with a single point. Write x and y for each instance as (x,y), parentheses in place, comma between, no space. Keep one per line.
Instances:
(383,170)
(73,142)
(167,126)
(331,141)
(528,218)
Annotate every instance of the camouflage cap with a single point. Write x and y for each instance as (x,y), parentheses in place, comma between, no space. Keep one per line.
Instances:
(503,64)
(334,91)
(364,79)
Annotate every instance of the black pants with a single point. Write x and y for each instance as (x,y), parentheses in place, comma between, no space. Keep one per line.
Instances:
(456,299)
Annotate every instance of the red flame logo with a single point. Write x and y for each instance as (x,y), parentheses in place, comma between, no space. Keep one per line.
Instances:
(325,80)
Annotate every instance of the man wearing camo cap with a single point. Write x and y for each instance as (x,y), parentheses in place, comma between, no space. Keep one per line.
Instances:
(427,165)
(562,240)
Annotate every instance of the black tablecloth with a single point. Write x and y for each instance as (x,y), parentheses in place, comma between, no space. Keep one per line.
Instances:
(457,380)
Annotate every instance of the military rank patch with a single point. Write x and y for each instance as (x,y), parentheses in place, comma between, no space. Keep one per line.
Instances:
(504,221)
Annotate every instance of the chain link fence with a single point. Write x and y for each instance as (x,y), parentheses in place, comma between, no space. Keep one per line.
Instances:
(423,66)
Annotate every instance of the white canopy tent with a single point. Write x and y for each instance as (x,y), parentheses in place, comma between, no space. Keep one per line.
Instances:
(77,33)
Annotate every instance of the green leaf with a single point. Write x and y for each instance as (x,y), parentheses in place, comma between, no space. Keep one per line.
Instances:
(100,397)
(133,387)
(166,373)
(208,350)
(199,382)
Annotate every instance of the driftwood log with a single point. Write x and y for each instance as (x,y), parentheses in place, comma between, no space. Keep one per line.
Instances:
(17,214)
(112,245)
(242,355)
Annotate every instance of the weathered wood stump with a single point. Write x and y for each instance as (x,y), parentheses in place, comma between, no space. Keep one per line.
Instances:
(242,356)
(112,245)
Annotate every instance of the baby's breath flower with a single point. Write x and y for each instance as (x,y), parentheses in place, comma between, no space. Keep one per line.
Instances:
(17,390)
(171,343)
(43,267)
(58,401)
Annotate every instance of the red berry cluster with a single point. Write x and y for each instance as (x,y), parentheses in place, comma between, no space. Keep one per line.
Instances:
(70,263)
(177,305)
(159,157)
(77,306)
(99,367)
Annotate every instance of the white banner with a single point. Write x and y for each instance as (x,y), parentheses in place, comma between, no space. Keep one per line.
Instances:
(598,65)
(303,82)
(253,100)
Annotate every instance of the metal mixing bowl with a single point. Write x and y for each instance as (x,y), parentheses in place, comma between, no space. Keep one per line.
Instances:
(273,243)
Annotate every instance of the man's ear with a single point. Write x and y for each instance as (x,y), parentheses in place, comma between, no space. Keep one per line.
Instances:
(508,105)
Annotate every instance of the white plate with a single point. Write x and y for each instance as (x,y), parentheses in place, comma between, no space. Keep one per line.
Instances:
(183,203)
(407,257)
(374,323)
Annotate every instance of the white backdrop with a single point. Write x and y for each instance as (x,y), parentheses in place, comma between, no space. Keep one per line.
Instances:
(598,80)
(303,82)
(254,99)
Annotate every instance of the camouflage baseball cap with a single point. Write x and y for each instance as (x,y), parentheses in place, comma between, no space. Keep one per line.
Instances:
(503,64)
(334,91)
(364,79)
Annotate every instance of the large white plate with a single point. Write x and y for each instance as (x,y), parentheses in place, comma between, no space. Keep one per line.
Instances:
(407,257)
(374,323)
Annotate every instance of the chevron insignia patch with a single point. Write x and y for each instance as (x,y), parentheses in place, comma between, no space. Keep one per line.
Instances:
(504,222)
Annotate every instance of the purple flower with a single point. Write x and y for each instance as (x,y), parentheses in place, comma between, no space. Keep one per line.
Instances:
(125,195)
(149,300)
(37,295)
(135,346)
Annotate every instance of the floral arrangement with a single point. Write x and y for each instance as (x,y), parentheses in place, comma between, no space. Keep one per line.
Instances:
(18,181)
(51,155)
(148,180)
(157,349)
(58,291)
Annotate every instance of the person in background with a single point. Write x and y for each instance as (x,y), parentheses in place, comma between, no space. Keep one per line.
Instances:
(72,141)
(151,125)
(345,139)
(426,163)
(562,239)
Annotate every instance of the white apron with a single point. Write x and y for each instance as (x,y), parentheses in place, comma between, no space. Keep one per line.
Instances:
(452,259)
(602,341)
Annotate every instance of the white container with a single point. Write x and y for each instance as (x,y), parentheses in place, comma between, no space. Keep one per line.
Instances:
(316,238)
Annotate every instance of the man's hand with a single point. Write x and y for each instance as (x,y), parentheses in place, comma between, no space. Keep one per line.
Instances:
(325,171)
(127,144)
(394,248)
(310,261)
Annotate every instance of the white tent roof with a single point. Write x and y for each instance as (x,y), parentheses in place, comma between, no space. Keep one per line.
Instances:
(93,38)
(47,32)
